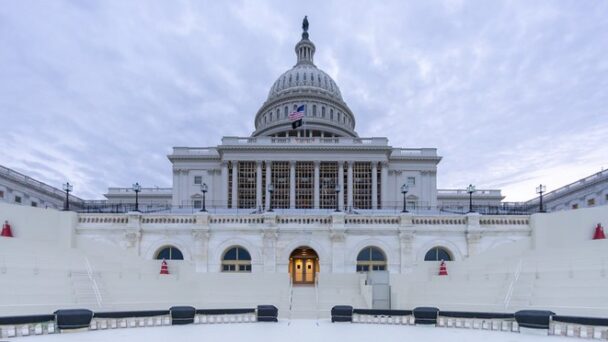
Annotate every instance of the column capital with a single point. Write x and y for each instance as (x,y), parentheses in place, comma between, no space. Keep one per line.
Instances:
(258,163)
(292,163)
(384,164)
(317,163)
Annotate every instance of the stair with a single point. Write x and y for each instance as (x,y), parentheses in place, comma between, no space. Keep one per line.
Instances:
(303,302)
(83,289)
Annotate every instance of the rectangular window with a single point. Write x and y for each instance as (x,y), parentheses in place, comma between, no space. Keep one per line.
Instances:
(591,202)
(228,268)
(362,268)
(245,268)
(280,181)
(2,194)
(411,181)
(247,184)
(34,204)
(17,199)
(304,184)
(575,206)
(198,180)
(197,204)
(605,196)
(362,185)
(328,178)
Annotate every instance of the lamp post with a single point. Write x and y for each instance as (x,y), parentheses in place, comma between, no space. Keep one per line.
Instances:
(204,191)
(540,190)
(67,187)
(270,191)
(471,190)
(404,190)
(137,188)
(337,190)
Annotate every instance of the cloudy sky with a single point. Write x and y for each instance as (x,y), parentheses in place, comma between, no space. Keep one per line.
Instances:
(512,93)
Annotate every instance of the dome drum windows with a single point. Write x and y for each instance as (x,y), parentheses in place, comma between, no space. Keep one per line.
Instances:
(169,253)
(236,259)
(371,259)
(438,254)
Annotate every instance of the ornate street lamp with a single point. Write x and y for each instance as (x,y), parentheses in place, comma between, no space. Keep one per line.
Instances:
(137,188)
(540,190)
(67,187)
(270,191)
(204,191)
(337,190)
(404,190)
(471,190)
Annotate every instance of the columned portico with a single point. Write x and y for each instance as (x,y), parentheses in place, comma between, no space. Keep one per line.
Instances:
(316,185)
(258,184)
(383,184)
(341,183)
(374,185)
(350,185)
(224,187)
(235,185)
(292,184)
(268,181)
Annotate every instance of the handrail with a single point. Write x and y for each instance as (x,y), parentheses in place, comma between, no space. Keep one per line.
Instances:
(94,282)
(511,288)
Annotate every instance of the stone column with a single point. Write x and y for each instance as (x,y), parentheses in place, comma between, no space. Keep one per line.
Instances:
(316,185)
(176,190)
(292,184)
(341,183)
(384,185)
(350,186)
(235,184)
(268,181)
(258,185)
(374,185)
(224,188)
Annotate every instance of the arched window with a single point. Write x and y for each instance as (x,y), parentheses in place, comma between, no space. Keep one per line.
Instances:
(331,114)
(314,110)
(437,254)
(323,112)
(169,253)
(236,259)
(371,259)
(285,112)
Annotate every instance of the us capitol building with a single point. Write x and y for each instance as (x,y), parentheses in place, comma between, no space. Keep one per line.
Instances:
(318,198)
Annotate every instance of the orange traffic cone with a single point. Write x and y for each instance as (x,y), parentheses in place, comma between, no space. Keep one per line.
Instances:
(598,235)
(164,269)
(443,271)
(6,230)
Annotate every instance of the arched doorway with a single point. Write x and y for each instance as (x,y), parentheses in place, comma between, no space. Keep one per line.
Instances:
(303,265)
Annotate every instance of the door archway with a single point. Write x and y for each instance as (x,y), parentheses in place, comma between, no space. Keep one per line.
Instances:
(303,265)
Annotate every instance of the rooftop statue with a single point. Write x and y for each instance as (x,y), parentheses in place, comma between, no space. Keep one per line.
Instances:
(305,24)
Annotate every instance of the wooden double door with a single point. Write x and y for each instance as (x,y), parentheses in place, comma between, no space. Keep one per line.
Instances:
(304,270)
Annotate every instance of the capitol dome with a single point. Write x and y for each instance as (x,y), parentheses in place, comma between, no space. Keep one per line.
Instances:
(325,112)
(305,75)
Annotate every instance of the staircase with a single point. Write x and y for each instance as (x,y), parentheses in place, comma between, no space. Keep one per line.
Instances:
(303,302)
(85,287)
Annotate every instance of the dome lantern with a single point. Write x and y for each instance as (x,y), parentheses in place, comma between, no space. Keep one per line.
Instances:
(305,49)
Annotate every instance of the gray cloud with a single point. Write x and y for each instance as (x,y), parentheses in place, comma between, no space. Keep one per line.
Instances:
(512,93)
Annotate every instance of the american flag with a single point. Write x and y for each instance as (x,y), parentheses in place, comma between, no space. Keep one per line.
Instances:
(298,114)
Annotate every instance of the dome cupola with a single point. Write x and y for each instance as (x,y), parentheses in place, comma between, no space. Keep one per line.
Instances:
(326,113)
